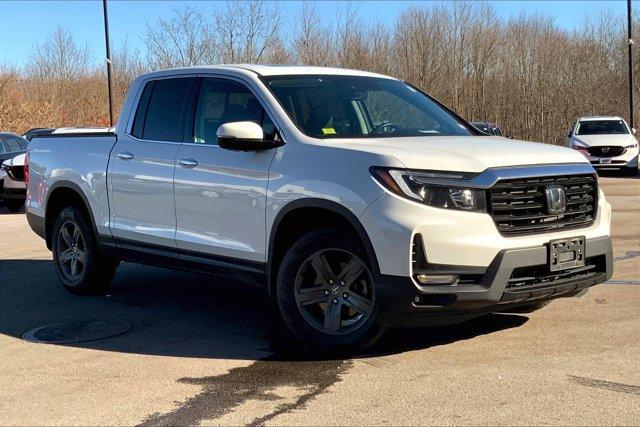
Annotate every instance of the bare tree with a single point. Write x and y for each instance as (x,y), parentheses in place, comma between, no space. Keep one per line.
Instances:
(248,31)
(524,72)
(59,57)
(183,40)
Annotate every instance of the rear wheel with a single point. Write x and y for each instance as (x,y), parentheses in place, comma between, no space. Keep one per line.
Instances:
(78,262)
(14,205)
(326,293)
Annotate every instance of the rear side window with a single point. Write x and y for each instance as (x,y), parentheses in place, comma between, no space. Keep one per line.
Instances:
(166,112)
(13,145)
(141,112)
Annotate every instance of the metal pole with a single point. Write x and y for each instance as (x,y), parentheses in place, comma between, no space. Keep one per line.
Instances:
(106,38)
(630,42)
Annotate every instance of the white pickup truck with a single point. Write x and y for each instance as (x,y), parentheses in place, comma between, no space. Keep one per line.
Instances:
(357,200)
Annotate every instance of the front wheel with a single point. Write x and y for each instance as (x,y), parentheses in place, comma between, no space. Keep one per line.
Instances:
(78,262)
(326,293)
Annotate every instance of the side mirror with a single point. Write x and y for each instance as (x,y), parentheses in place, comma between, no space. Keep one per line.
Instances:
(633,131)
(243,136)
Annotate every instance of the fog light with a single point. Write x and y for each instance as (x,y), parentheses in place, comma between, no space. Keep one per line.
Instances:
(444,279)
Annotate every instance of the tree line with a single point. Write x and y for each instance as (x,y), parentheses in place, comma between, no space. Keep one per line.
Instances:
(525,73)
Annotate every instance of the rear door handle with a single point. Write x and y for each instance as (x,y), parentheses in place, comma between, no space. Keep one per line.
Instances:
(188,163)
(125,155)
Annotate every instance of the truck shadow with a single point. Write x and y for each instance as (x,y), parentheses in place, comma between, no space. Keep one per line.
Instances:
(183,314)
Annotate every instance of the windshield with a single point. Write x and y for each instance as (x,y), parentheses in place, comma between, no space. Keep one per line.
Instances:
(598,127)
(360,107)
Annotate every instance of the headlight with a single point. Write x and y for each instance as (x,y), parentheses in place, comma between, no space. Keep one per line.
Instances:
(578,146)
(632,145)
(436,189)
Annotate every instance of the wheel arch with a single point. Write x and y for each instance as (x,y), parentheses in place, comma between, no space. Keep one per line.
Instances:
(294,218)
(61,195)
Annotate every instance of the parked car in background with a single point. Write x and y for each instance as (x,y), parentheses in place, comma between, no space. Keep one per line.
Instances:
(607,141)
(12,188)
(488,127)
(358,201)
(11,145)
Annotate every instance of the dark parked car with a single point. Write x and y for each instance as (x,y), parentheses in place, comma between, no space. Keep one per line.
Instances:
(11,145)
(12,185)
(488,128)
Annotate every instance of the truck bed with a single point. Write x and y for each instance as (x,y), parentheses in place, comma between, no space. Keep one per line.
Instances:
(76,157)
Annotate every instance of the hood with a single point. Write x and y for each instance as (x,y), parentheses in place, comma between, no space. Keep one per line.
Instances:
(463,153)
(599,140)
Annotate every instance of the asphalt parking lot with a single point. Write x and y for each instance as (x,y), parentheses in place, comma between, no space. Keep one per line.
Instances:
(209,350)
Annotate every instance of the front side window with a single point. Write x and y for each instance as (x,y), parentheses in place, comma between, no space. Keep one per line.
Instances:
(601,127)
(224,101)
(166,112)
(359,107)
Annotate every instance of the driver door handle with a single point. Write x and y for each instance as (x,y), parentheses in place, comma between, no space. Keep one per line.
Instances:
(188,163)
(125,155)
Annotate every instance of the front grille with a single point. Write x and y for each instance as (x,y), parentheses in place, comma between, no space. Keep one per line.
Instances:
(519,206)
(537,277)
(605,151)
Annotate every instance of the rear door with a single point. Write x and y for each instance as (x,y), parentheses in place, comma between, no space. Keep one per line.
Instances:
(221,194)
(142,165)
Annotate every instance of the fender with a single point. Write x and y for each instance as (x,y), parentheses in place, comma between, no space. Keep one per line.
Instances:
(76,189)
(328,205)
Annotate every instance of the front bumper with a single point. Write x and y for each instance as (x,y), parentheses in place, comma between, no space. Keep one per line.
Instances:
(403,303)
(628,159)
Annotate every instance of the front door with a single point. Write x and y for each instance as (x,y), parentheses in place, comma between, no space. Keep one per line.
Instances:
(142,165)
(221,194)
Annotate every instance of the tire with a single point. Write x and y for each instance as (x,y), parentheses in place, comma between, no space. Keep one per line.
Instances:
(529,308)
(79,265)
(14,205)
(310,302)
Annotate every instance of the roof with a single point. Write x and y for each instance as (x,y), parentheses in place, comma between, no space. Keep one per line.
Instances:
(282,70)
(274,70)
(588,118)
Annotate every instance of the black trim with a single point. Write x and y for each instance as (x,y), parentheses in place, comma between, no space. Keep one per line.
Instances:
(37,224)
(323,204)
(163,256)
(419,264)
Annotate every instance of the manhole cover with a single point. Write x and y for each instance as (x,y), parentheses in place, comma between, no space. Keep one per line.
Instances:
(77,331)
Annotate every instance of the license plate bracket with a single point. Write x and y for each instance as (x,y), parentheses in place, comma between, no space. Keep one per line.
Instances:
(567,253)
